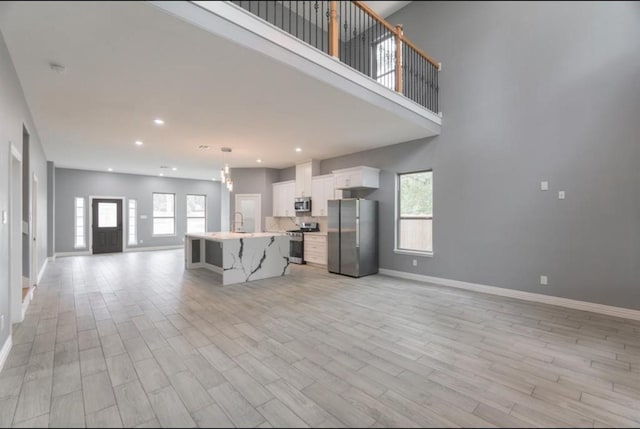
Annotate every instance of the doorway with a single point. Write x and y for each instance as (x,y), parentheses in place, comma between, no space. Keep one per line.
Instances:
(106,225)
(34,232)
(248,213)
(15,236)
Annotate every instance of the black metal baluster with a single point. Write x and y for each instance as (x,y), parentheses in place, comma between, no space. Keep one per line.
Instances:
(360,40)
(322,18)
(432,87)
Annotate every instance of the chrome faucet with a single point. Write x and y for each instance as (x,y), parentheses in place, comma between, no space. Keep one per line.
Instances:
(234,223)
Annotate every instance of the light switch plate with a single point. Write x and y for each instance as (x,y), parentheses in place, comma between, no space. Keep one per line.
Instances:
(544,280)
(561,195)
(544,186)
(4,217)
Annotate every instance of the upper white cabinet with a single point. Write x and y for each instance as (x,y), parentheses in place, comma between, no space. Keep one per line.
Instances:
(283,196)
(357,177)
(304,174)
(322,190)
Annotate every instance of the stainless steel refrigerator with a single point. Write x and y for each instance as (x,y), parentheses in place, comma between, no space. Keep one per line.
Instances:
(352,237)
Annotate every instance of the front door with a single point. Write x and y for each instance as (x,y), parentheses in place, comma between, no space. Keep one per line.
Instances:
(107,226)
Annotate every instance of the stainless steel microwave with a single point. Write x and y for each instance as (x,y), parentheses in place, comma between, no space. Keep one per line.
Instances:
(302,204)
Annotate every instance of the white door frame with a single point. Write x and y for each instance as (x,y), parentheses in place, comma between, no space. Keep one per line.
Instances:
(258,210)
(15,236)
(124,220)
(33,232)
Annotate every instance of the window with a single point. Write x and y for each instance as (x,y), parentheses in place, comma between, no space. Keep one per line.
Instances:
(133,224)
(79,240)
(385,57)
(196,213)
(164,218)
(415,212)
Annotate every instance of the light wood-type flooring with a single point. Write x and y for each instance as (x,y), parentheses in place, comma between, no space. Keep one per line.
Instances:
(135,340)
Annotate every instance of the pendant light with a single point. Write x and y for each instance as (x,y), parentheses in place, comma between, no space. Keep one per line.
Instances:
(225,174)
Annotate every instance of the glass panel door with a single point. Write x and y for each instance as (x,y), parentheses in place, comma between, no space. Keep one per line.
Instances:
(247,216)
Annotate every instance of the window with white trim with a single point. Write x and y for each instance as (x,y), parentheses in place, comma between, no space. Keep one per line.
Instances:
(385,57)
(414,229)
(196,213)
(132,232)
(164,214)
(79,241)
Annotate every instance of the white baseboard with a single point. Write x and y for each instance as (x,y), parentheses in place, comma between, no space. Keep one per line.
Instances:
(41,273)
(152,248)
(79,253)
(4,352)
(609,310)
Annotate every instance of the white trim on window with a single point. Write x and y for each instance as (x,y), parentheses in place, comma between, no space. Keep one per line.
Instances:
(196,217)
(154,217)
(132,220)
(79,224)
(397,219)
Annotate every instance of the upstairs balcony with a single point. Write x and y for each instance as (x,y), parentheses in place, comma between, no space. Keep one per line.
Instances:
(356,35)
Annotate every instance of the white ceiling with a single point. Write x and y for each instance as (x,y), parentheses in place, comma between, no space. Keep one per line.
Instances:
(128,63)
(386,8)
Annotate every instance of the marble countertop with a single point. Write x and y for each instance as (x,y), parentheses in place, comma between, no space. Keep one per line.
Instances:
(222,236)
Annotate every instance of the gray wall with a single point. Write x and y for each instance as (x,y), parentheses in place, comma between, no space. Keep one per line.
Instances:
(14,113)
(81,183)
(287,174)
(254,181)
(530,92)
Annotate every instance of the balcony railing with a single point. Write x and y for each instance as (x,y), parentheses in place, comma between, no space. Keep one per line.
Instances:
(353,33)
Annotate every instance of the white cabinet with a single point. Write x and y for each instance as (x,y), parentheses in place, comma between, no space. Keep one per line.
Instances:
(283,196)
(315,249)
(322,190)
(304,175)
(357,177)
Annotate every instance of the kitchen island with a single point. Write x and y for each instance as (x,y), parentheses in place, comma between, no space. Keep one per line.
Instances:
(238,257)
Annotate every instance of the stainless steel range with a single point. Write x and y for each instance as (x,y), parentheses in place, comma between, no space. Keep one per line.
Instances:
(296,241)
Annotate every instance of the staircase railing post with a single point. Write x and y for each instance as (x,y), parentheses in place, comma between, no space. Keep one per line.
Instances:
(398,73)
(334,29)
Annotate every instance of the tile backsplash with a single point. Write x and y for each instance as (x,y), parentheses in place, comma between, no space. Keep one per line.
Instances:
(274,224)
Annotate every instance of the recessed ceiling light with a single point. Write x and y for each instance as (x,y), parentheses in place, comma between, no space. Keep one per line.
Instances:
(139,143)
(158,121)
(109,169)
(174,168)
(258,161)
(213,178)
(161,174)
(298,149)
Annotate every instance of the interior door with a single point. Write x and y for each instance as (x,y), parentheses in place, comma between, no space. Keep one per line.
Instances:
(107,226)
(34,231)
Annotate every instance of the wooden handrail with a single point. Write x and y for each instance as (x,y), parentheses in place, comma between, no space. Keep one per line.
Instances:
(393,30)
(374,15)
(419,52)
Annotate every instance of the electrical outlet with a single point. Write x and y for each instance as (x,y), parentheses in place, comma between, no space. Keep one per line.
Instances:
(415,262)
(561,195)
(544,186)
(544,280)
